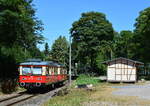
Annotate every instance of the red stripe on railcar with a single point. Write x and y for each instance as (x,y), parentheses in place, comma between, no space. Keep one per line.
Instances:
(55,78)
(32,79)
(42,79)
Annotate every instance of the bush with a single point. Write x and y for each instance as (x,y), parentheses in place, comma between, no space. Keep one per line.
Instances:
(9,86)
(63,92)
(85,79)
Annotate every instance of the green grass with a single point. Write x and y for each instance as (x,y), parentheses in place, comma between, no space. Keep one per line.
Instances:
(75,98)
(101,94)
(84,79)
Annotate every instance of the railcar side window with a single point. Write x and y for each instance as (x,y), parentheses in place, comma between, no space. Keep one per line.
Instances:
(26,70)
(55,70)
(37,70)
(65,71)
(50,70)
(47,70)
(61,71)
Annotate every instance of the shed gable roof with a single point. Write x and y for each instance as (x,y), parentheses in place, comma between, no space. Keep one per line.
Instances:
(122,58)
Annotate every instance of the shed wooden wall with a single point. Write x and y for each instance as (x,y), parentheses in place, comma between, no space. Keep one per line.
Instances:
(121,71)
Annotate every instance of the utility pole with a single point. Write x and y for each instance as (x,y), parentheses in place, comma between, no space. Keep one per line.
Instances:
(70,60)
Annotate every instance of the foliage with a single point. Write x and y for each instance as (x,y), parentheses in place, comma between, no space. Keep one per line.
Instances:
(20,32)
(85,79)
(88,33)
(124,44)
(101,57)
(36,53)
(142,37)
(74,98)
(46,51)
(9,85)
(100,96)
(59,50)
(18,24)
(19,27)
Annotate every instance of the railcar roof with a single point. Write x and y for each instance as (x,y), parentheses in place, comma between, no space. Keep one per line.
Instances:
(49,63)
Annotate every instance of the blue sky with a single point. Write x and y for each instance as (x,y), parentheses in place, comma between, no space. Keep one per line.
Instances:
(58,15)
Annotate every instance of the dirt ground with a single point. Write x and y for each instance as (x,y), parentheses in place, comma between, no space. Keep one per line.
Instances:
(141,91)
(121,95)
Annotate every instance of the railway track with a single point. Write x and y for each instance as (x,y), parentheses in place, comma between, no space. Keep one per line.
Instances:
(15,99)
(25,99)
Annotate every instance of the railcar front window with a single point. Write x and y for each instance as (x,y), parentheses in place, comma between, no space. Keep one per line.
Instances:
(26,70)
(37,70)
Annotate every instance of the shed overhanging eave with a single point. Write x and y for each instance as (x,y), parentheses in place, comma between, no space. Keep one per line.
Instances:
(136,62)
(139,63)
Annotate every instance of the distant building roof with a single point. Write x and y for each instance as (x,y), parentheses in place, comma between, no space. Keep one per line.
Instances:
(122,58)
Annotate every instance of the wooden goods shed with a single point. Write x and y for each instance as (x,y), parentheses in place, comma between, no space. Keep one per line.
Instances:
(122,70)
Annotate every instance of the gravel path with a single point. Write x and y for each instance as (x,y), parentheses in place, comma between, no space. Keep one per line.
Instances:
(142,91)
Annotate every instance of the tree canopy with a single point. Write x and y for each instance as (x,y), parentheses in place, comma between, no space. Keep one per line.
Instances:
(59,51)
(88,33)
(46,51)
(142,35)
(124,44)
(93,38)
(18,24)
(20,32)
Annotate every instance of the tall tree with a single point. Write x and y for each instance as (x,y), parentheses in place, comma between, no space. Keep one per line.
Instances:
(88,33)
(20,32)
(142,35)
(124,44)
(18,24)
(59,50)
(46,51)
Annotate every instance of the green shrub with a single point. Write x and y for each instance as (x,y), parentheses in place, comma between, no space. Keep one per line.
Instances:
(85,79)
(9,86)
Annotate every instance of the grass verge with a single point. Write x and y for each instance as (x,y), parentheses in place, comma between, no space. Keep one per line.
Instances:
(100,96)
(84,79)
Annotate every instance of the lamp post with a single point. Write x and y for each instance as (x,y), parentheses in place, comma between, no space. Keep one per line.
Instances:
(70,60)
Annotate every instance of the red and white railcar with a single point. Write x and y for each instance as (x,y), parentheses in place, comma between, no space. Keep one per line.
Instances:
(36,73)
